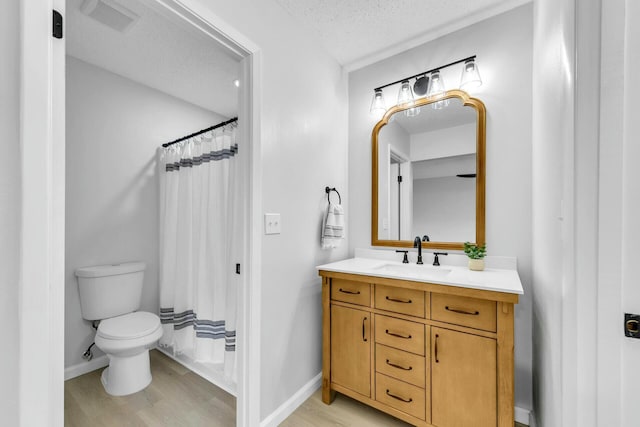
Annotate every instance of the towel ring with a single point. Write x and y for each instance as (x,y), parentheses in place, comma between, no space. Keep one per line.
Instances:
(328,191)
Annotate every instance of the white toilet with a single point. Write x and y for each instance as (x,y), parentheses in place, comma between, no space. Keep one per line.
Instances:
(112,294)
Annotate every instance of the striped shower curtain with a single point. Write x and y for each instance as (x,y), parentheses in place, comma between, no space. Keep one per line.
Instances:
(200,238)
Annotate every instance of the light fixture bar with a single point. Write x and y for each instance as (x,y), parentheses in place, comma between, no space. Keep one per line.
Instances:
(426,72)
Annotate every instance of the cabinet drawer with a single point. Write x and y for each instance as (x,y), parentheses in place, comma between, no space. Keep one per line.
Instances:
(401,365)
(400,300)
(400,395)
(351,291)
(398,333)
(465,311)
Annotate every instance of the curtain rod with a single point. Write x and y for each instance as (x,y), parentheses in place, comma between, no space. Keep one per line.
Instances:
(219,125)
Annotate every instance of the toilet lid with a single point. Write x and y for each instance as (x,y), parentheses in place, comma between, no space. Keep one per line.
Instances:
(129,326)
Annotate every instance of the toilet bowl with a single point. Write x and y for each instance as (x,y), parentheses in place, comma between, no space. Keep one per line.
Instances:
(127,340)
(112,294)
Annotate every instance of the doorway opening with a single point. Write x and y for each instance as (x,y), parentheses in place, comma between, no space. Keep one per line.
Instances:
(136,77)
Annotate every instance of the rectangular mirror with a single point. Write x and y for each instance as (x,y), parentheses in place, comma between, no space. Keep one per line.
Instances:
(428,174)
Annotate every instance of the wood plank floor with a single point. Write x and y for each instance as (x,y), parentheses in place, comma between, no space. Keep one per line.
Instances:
(344,411)
(176,397)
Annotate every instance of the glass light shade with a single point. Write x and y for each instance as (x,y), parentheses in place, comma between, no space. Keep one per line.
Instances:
(470,76)
(412,112)
(378,106)
(436,89)
(405,95)
(436,85)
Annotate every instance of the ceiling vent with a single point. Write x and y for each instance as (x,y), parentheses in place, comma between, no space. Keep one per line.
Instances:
(110,13)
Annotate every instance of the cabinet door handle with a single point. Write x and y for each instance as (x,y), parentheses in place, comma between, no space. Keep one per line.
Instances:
(402,300)
(395,334)
(457,310)
(409,400)
(363,328)
(398,366)
(347,291)
(436,349)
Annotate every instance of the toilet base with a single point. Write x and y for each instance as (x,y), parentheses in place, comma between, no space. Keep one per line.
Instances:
(127,375)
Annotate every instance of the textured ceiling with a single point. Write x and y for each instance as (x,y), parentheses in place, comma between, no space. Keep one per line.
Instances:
(352,30)
(158,53)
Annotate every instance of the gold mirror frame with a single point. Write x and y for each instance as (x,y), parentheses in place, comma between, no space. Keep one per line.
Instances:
(480,171)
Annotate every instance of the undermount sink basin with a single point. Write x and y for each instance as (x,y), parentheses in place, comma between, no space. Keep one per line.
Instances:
(414,270)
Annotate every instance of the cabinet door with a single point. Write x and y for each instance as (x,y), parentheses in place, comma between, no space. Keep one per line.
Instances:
(463,379)
(351,349)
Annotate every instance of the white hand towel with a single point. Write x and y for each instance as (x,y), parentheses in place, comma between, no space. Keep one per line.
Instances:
(333,227)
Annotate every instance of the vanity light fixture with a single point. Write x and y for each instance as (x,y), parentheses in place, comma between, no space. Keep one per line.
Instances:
(427,83)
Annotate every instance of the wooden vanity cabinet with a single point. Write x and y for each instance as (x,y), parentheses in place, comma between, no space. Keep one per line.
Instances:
(431,355)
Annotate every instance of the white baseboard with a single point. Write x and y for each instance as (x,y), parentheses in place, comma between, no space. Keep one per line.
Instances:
(532,419)
(522,416)
(85,367)
(291,404)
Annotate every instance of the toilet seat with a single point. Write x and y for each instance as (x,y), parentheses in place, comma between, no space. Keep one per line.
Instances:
(129,326)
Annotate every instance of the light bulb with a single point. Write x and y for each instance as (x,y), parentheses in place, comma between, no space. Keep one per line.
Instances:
(405,95)
(470,76)
(378,106)
(436,90)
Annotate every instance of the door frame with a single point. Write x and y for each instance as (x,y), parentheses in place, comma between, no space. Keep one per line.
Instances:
(42,140)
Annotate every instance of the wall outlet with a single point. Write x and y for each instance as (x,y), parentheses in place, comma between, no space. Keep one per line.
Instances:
(272,223)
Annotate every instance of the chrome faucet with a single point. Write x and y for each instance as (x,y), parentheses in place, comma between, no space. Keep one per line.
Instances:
(417,243)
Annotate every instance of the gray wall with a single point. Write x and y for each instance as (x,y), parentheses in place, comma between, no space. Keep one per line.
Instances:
(114,126)
(9,210)
(504,48)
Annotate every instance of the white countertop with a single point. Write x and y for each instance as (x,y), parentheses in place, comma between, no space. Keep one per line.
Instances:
(491,279)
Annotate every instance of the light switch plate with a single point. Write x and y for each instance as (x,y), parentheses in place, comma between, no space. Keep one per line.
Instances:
(272,223)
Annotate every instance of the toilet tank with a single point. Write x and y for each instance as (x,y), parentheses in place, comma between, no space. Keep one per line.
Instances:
(110,290)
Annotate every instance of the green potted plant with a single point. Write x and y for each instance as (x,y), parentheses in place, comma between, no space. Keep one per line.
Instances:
(476,255)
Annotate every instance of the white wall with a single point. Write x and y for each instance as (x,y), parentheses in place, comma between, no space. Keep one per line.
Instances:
(114,126)
(453,141)
(304,149)
(9,211)
(444,209)
(553,121)
(504,48)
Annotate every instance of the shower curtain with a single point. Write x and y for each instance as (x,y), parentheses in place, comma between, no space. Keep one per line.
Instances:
(200,243)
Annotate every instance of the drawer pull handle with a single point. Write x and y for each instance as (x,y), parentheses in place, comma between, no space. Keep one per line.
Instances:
(457,310)
(398,366)
(363,322)
(395,334)
(402,300)
(347,291)
(409,400)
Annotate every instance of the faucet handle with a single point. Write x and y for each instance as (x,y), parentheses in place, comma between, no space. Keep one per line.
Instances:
(405,260)
(436,261)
